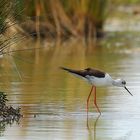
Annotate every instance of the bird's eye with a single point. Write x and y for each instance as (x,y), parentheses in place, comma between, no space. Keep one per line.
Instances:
(123,82)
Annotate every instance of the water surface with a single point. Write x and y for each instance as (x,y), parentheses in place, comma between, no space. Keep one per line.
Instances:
(53,102)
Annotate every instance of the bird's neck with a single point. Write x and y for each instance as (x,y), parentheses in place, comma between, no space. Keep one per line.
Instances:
(115,82)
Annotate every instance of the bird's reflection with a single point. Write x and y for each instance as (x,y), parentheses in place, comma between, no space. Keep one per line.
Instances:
(94,129)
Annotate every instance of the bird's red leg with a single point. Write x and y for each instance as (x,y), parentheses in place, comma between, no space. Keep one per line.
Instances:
(95,103)
(88,104)
(88,99)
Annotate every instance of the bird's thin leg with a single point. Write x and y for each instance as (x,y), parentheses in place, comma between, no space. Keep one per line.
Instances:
(95,103)
(88,99)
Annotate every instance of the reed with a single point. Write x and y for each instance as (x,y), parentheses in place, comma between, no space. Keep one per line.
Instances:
(8,14)
(9,29)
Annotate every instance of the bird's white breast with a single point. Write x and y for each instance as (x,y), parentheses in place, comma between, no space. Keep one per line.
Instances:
(105,81)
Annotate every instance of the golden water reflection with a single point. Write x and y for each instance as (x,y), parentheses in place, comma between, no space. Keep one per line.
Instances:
(53,102)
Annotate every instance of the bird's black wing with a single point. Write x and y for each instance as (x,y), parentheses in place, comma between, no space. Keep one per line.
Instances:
(85,72)
(94,72)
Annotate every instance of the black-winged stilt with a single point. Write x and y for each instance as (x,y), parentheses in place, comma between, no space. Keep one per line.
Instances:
(97,78)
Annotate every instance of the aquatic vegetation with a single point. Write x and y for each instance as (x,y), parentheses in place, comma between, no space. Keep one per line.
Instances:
(8,113)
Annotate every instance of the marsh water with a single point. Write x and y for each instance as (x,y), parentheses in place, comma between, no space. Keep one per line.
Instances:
(53,102)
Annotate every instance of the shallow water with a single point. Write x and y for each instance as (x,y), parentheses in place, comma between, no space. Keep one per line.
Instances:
(53,102)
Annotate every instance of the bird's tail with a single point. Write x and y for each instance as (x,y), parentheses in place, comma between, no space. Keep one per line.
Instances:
(66,69)
(76,73)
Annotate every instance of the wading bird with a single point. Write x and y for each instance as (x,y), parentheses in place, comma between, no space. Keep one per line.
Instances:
(97,78)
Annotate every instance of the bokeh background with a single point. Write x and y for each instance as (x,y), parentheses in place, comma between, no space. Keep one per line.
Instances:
(39,36)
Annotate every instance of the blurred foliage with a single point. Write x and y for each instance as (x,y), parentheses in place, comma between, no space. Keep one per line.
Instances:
(3,99)
(66,17)
(8,13)
(120,2)
(8,114)
(58,18)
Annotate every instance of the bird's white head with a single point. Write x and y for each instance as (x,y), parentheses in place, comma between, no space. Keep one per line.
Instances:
(121,83)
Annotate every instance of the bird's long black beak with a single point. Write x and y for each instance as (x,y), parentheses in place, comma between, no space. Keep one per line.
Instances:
(128,91)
